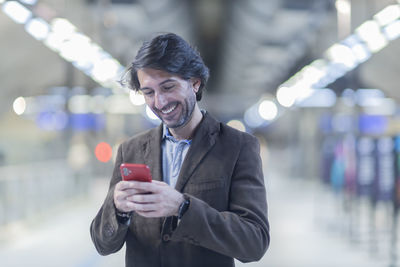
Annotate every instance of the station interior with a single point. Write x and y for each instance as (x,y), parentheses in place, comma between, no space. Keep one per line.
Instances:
(316,81)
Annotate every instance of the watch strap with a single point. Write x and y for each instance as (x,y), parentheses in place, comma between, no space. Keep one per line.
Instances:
(123,217)
(183,207)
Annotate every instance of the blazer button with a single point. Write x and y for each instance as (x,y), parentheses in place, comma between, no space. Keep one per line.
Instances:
(166,238)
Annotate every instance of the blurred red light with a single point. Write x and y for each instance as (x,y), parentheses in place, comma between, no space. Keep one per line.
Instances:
(103,152)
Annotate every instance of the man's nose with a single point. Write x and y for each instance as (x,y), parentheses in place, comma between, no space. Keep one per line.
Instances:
(160,101)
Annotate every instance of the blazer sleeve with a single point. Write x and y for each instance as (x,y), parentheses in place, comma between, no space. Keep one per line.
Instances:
(241,232)
(108,235)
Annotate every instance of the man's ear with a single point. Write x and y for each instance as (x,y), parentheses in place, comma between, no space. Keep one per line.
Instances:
(196,82)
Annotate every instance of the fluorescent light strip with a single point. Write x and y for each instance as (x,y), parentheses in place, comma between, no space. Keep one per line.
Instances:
(63,37)
(340,58)
(85,55)
(346,55)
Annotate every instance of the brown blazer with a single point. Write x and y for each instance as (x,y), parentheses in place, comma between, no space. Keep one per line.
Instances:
(227,216)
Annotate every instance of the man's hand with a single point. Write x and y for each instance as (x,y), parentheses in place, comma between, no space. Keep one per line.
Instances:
(155,199)
(122,191)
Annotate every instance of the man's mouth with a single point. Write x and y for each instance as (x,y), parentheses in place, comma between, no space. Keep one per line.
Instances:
(169,110)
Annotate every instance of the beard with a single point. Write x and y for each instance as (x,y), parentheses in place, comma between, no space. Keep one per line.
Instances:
(186,113)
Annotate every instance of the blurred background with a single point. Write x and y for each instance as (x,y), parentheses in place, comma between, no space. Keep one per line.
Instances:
(315,80)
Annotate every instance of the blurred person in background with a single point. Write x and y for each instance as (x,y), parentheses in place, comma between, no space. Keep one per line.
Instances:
(206,204)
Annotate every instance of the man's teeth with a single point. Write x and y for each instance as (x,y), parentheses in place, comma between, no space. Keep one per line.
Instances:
(166,111)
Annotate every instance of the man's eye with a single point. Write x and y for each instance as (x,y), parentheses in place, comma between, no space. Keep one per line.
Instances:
(148,92)
(168,87)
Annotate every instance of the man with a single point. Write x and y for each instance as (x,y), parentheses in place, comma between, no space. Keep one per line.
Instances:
(207,202)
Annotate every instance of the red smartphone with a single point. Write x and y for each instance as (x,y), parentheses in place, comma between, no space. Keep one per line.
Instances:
(135,172)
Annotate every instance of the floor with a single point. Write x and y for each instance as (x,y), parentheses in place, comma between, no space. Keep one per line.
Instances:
(309,228)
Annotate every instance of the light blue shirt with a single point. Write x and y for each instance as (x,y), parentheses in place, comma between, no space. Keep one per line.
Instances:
(173,154)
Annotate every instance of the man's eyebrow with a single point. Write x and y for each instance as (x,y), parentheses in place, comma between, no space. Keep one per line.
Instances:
(167,80)
(161,83)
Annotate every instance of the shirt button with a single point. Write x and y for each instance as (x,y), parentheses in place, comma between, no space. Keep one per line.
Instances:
(166,238)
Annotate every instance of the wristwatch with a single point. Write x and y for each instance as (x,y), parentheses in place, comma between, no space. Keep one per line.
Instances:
(183,207)
(123,217)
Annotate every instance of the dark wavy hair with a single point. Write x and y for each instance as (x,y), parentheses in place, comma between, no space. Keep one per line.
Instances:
(171,53)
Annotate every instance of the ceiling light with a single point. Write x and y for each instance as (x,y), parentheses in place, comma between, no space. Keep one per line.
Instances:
(38,28)
(19,105)
(105,70)
(361,52)
(268,110)
(388,15)
(16,11)
(63,27)
(285,96)
(392,31)
(342,54)
(343,6)
(371,34)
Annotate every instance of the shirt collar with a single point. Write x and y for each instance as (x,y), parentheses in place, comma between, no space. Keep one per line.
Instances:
(168,136)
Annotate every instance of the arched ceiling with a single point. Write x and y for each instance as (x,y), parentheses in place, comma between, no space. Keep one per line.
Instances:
(250,46)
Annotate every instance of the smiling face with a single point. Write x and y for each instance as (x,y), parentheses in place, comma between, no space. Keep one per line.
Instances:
(170,97)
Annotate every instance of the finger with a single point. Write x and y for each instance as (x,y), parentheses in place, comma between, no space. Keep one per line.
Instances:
(144,207)
(131,192)
(145,198)
(145,186)
(120,195)
(124,205)
(120,198)
(124,185)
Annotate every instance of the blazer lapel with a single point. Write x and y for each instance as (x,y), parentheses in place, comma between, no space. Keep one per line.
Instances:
(152,157)
(152,153)
(203,141)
